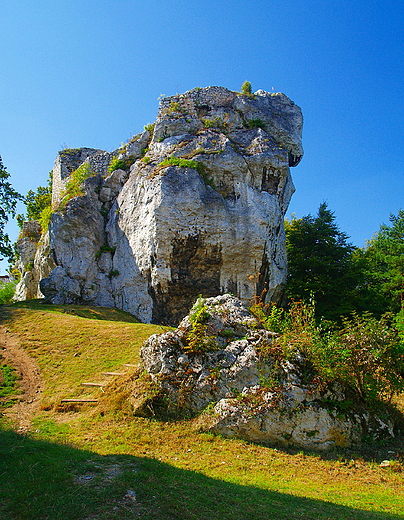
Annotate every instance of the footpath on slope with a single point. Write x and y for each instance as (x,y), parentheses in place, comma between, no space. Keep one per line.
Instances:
(30,383)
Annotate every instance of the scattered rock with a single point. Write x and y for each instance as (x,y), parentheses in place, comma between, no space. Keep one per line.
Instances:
(385,464)
(131,495)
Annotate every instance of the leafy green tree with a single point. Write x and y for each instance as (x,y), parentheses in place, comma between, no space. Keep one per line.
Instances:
(37,201)
(320,264)
(8,202)
(366,293)
(384,261)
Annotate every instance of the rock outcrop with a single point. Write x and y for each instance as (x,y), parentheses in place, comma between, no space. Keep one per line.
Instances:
(196,207)
(220,358)
(34,261)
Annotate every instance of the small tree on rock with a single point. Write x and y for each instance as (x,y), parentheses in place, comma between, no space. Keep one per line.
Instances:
(246,88)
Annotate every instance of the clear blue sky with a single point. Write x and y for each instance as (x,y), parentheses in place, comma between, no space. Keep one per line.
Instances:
(89,72)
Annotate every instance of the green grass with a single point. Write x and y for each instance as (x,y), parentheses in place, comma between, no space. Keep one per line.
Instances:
(182,163)
(176,471)
(8,384)
(42,479)
(75,344)
(7,291)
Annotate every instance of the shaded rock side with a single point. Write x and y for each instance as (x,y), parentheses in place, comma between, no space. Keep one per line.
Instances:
(199,211)
(219,358)
(34,261)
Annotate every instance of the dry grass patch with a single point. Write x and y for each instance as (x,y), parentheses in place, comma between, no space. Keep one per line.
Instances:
(71,349)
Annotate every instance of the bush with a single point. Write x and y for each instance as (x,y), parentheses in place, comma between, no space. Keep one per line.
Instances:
(188,163)
(271,316)
(175,107)
(182,163)
(198,340)
(365,355)
(73,186)
(256,123)
(246,88)
(149,128)
(7,292)
(45,217)
(121,164)
(216,122)
(104,249)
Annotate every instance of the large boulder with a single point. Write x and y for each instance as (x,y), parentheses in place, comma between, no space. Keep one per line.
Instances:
(198,208)
(219,358)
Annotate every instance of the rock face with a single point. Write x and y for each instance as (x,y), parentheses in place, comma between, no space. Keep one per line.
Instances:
(33,261)
(200,211)
(218,356)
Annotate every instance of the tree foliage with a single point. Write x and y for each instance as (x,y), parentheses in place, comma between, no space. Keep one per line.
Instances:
(320,263)
(37,201)
(384,263)
(246,88)
(365,354)
(8,202)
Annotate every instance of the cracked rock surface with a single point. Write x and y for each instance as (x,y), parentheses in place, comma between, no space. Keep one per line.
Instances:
(150,238)
(237,376)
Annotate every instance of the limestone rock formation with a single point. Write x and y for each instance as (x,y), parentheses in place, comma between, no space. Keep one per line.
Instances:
(33,261)
(219,356)
(195,206)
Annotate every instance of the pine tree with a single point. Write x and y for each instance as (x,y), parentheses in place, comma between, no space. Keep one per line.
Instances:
(384,256)
(319,263)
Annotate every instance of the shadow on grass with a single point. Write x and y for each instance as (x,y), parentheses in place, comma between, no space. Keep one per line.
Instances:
(42,480)
(82,311)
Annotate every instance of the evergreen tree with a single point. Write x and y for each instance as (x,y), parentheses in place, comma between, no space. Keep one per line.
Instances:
(246,88)
(320,264)
(8,202)
(384,260)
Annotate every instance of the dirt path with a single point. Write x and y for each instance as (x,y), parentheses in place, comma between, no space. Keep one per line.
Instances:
(30,383)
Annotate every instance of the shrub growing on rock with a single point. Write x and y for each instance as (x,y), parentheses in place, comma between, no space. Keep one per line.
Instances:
(73,186)
(365,355)
(246,88)
(266,386)
(120,164)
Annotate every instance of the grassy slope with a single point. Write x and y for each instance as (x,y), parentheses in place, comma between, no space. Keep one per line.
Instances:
(175,471)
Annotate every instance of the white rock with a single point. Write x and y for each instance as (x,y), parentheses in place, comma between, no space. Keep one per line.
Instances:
(178,231)
(255,398)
